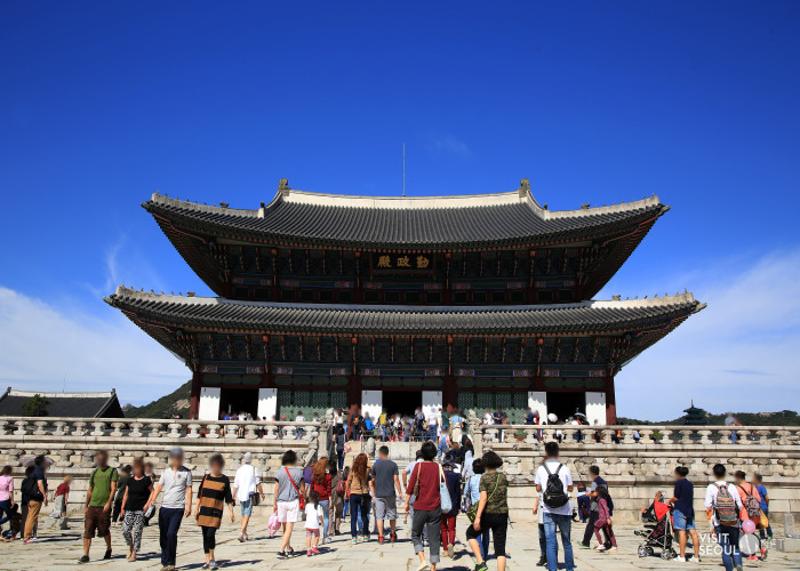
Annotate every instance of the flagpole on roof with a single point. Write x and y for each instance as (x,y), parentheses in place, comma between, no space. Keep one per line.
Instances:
(404,170)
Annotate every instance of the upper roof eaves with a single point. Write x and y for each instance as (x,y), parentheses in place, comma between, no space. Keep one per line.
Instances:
(522,195)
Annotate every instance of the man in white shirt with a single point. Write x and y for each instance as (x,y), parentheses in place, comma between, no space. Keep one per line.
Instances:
(246,484)
(724,523)
(556,506)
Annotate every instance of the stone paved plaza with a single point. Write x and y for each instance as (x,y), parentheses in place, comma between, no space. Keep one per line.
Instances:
(61,550)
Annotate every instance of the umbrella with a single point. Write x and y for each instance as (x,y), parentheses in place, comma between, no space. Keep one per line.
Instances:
(28,460)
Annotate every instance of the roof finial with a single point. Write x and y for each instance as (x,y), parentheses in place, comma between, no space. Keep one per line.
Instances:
(283,186)
(524,187)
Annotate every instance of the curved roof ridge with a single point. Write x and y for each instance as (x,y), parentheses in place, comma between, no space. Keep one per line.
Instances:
(678,298)
(12,392)
(401,202)
(441,202)
(667,300)
(159,198)
(609,209)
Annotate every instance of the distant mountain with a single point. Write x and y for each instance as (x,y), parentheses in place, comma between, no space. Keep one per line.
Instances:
(176,402)
(781,418)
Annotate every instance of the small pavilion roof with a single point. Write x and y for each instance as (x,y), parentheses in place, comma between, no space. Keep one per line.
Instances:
(465,221)
(220,314)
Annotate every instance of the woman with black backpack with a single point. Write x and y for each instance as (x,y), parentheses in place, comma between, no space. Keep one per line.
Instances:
(490,513)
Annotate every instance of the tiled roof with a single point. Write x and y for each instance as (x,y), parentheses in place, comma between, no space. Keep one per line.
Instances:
(83,404)
(208,313)
(425,222)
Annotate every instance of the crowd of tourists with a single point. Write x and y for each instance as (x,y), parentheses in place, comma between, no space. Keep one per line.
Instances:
(443,483)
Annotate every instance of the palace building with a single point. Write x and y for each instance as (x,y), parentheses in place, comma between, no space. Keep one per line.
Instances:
(477,302)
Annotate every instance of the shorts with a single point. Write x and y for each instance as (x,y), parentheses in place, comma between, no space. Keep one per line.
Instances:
(289,512)
(96,521)
(246,507)
(312,532)
(386,508)
(682,523)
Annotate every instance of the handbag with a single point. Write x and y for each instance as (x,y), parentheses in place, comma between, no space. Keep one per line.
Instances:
(300,499)
(444,492)
(472,512)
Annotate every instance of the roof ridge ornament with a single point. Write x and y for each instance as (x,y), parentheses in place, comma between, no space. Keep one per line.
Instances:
(524,187)
(283,186)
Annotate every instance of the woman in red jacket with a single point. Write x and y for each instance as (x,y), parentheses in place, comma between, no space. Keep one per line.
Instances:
(424,487)
(321,482)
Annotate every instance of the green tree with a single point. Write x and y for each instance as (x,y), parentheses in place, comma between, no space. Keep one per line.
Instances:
(36,406)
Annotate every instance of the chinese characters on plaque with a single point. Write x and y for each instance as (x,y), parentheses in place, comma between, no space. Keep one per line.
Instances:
(402,262)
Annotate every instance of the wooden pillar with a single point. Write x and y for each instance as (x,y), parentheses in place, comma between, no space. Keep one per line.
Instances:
(275,293)
(194,401)
(354,387)
(532,277)
(267,378)
(611,402)
(358,293)
(447,294)
(449,393)
(354,384)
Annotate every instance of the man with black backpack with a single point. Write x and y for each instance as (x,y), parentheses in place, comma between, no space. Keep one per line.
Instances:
(723,508)
(554,482)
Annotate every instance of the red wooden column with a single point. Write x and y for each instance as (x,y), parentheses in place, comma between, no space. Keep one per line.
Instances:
(447,294)
(267,378)
(449,388)
(194,401)
(358,293)
(611,402)
(449,393)
(354,384)
(354,387)
(275,293)
(532,277)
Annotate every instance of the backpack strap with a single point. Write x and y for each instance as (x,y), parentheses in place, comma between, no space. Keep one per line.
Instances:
(546,469)
(291,481)
(496,484)
(558,469)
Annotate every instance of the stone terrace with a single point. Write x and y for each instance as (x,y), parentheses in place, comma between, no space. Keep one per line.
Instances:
(61,550)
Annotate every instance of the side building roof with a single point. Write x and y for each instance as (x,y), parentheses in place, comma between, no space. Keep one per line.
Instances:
(77,404)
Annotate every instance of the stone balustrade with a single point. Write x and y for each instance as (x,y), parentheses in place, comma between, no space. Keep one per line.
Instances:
(590,436)
(71,443)
(639,460)
(151,430)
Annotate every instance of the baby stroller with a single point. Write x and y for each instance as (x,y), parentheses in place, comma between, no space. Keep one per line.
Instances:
(657,532)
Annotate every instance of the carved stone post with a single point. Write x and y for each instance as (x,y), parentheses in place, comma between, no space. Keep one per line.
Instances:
(22,427)
(99,428)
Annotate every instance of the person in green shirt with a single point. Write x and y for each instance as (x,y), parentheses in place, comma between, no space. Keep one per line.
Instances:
(99,498)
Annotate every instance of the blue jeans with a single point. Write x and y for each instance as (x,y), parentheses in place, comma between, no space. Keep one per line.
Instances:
(564,524)
(5,509)
(359,511)
(728,539)
(169,522)
(326,516)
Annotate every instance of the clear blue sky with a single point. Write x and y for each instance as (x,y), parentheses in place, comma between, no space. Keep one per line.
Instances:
(103,103)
